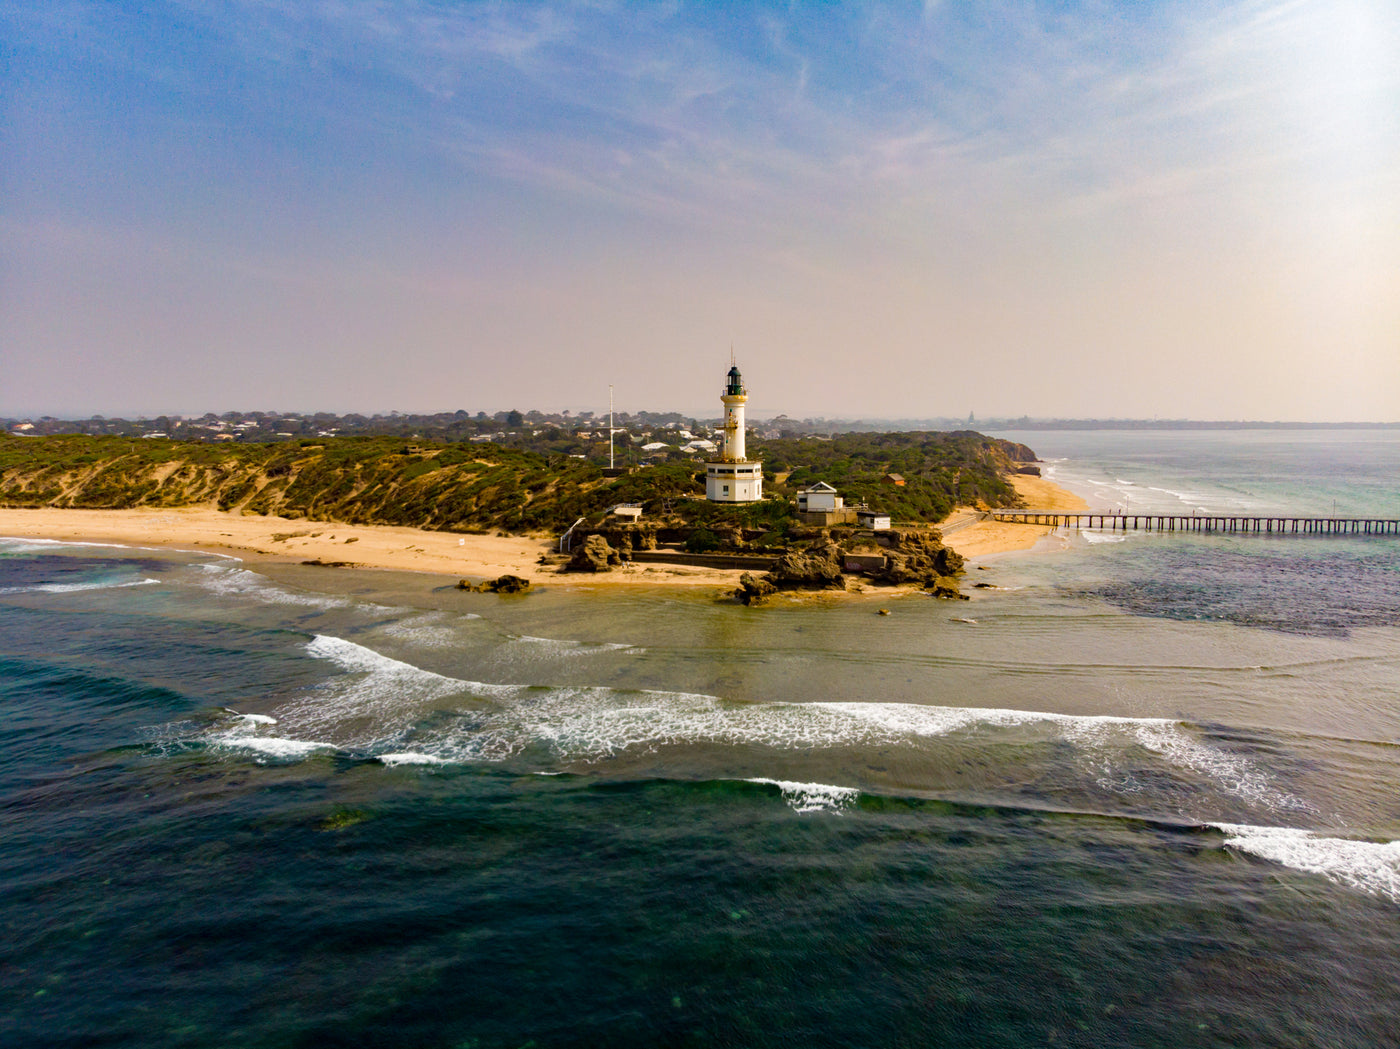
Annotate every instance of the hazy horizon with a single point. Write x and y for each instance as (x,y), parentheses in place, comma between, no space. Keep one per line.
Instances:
(1185,210)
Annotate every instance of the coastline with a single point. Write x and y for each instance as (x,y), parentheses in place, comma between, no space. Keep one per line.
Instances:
(278,540)
(975,539)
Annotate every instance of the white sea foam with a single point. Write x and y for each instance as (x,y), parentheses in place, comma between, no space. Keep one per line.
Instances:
(384,706)
(1370,866)
(1185,497)
(1236,775)
(915,719)
(358,659)
(271,746)
(230,581)
(409,757)
(25,545)
(813,797)
(567,647)
(596,723)
(251,721)
(68,588)
(1095,537)
(378,698)
(430,630)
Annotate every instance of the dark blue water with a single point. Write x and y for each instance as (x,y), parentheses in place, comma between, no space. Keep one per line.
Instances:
(1148,798)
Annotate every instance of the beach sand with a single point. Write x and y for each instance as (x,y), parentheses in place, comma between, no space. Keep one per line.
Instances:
(276,539)
(255,538)
(973,538)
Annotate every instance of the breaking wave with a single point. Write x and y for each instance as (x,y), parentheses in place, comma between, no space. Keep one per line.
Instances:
(231,581)
(384,708)
(1372,867)
(68,588)
(812,797)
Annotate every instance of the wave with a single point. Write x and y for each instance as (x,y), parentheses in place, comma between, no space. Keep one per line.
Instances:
(1234,774)
(1185,497)
(409,758)
(30,544)
(1094,537)
(383,707)
(251,720)
(378,699)
(430,630)
(358,659)
(68,588)
(565,647)
(272,746)
(812,797)
(26,545)
(243,735)
(230,581)
(1372,867)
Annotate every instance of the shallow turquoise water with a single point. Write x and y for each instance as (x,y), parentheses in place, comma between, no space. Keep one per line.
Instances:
(1140,793)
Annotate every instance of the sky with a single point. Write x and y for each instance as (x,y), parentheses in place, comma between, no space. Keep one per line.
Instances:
(1176,209)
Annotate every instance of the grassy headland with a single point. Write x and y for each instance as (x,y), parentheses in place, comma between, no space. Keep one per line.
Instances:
(473,487)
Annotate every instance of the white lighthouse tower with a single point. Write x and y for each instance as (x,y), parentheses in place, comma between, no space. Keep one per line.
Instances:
(732,478)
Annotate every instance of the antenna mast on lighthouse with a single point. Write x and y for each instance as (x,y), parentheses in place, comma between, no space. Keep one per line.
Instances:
(610,426)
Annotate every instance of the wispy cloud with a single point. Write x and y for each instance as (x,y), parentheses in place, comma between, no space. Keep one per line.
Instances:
(838,150)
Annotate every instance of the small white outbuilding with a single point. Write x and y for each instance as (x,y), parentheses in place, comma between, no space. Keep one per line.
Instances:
(820,496)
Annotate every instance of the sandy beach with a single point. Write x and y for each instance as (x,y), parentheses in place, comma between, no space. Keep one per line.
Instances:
(972,537)
(276,539)
(256,538)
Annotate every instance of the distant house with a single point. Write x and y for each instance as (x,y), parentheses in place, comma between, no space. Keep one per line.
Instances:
(894,479)
(872,519)
(699,445)
(820,496)
(655,446)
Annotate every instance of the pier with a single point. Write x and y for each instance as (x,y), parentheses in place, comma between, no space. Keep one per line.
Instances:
(1227,523)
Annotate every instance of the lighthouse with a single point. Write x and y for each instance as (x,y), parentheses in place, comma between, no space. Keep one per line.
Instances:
(733,478)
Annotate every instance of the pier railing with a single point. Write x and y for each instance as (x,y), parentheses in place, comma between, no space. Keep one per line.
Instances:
(1246,523)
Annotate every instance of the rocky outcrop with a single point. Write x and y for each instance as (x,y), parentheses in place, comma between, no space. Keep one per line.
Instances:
(594,555)
(920,558)
(818,567)
(623,536)
(947,587)
(754,590)
(506,584)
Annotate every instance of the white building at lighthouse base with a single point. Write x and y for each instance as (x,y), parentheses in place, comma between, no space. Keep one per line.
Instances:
(734,482)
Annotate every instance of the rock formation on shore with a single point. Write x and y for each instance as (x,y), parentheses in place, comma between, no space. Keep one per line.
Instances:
(818,567)
(506,584)
(754,589)
(594,554)
(919,557)
(915,557)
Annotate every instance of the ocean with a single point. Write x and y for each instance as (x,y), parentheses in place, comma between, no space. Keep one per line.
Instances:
(1140,790)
